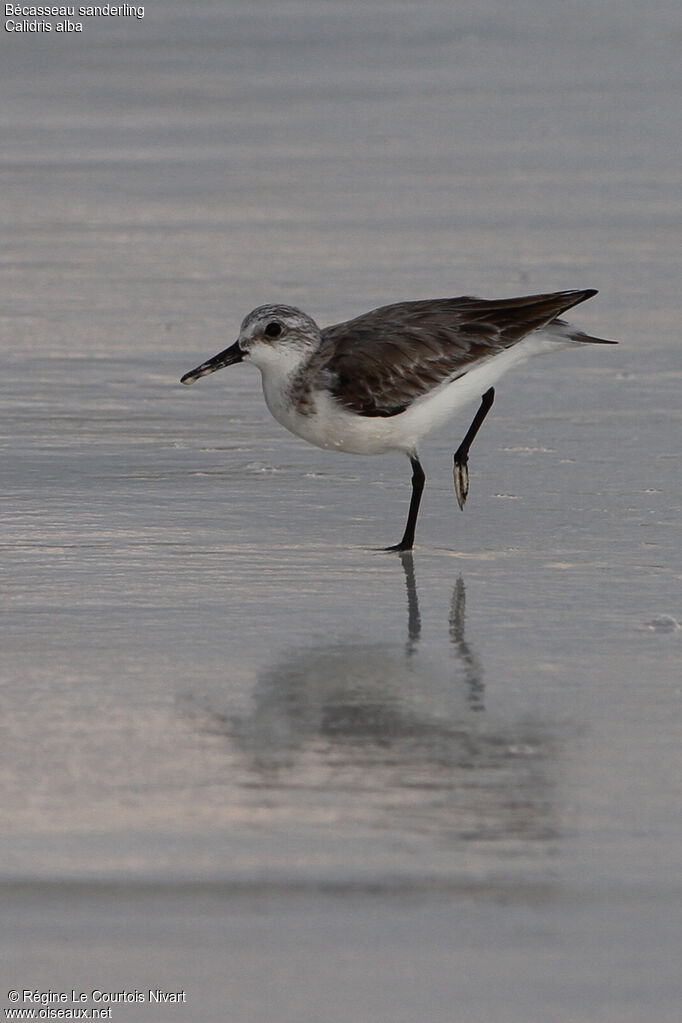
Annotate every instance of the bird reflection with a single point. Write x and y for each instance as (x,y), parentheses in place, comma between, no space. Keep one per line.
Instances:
(401,727)
(473,673)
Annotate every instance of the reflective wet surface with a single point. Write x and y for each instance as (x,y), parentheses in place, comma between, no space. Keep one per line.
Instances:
(241,750)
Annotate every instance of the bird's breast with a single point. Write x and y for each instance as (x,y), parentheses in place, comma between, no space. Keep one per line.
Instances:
(316,416)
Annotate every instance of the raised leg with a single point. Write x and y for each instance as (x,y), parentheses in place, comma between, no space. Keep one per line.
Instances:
(460,471)
(418,479)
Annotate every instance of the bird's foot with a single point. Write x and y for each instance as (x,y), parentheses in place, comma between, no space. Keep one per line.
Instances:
(398,548)
(460,475)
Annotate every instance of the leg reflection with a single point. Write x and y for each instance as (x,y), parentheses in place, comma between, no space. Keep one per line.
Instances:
(414,622)
(472,668)
(473,673)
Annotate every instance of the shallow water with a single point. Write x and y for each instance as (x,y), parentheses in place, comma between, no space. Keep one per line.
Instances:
(371,784)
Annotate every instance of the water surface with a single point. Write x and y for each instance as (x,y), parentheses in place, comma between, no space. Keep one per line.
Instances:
(234,733)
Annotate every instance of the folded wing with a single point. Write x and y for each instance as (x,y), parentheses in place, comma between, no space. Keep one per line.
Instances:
(379,363)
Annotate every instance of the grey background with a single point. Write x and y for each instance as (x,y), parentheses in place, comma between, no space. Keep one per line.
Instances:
(238,754)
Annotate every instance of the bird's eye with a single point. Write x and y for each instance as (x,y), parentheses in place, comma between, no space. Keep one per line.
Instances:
(273,329)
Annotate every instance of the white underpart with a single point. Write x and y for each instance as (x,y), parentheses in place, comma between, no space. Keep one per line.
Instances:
(334,427)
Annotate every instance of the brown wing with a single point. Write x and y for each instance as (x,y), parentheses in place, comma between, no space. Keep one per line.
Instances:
(378,363)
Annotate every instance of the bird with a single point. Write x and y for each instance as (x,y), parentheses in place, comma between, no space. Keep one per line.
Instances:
(381,381)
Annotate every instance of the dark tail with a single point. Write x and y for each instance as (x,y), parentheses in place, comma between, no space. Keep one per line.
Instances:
(579,335)
(587,339)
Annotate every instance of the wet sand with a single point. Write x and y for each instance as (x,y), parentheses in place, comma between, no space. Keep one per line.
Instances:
(243,753)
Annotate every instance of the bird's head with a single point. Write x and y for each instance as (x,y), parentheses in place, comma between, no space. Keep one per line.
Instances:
(271,336)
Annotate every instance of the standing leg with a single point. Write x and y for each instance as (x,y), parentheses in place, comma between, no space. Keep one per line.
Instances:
(460,472)
(418,479)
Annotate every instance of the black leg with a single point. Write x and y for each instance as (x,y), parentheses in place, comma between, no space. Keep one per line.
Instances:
(418,479)
(460,472)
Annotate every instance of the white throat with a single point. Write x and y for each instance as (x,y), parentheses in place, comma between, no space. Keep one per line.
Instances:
(278,365)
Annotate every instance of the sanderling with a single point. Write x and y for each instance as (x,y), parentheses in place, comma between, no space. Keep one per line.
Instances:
(383,380)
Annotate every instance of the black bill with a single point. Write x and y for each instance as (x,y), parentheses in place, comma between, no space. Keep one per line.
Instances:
(227,358)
